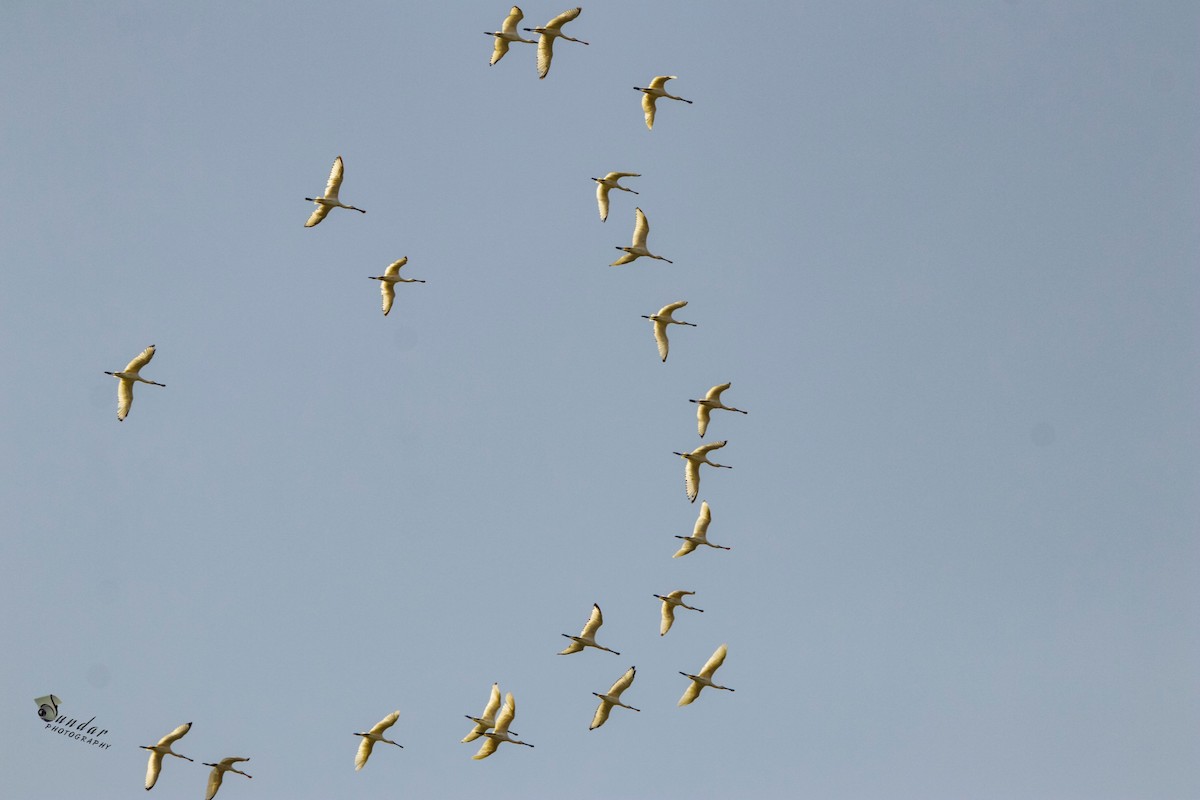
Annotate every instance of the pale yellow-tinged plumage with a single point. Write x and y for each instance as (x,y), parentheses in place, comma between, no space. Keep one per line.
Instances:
(330,198)
(641,228)
(669,602)
(691,473)
(699,533)
(705,677)
(218,772)
(612,698)
(661,320)
(549,32)
(129,376)
(654,91)
(372,736)
(711,401)
(163,748)
(587,637)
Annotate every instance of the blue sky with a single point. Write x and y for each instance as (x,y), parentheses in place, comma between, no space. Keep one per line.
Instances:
(945,253)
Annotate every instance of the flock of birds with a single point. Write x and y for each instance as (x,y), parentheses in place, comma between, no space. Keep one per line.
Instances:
(493,725)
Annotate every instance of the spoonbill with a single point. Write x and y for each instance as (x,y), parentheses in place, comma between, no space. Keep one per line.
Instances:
(691,474)
(654,91)
(372,736)
(612,698)
(488,719)
(641,227)
(128,377)
(587,637)
(609,181)
(711,400)
(705,677)
(699,535)
(219,770)
(661,320)
(388,281)
(552,31)
(330,200)
(669,602)
(163,748)
(500,734)
(507,34)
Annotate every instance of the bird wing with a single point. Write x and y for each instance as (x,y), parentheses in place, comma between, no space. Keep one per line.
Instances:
(229,762)
(648,110)
(564,18)
(152,769)
(641,227)
(702,521)
(624,259)
(593,624)
(335,180)
(702,412)
(124,398)
(573,647)
(659,81)
(687,547)
(142,359)
(506,714)
(679,594)
(601,715)
(176,734)
(393,268)
(692,692)
(214,782)
(319,213)
(493,703)
(545,54)
(716,660)
(499,48)
(691,479)
(515,15)
(707,448)
(660,336)
(385,723)
(668,611)
(364,752)
(489,747)
(475,732)
(623,682)
(602,200)
(672,308)
(616,175)
(388,290)
(715,392)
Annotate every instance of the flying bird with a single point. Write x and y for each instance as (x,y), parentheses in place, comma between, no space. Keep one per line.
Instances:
(128,377)
(500,734)
(388,281)
(641,227)
(219,770)
(691,474)
(488,720)
(612,698)
(372,736)
(704,678)
(587,637)
(711,400)
(669,602)
(699,535)
(163,748)
(609,181)
(330,200)
(552,31)
(661,320)
(654,91)
(507,34)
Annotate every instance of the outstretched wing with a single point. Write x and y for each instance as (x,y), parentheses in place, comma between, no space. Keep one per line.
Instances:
(691,479)
(602,200)
(545,54)
(364,752)
(593,624)
(641,227)
(660,336)
(499,49)
(601,715)
(388,290)
(668,610)
(142,359)
(489,747)
(687,547)
(152,769)
(702,414)
(124,398)
(335,179)
(214,783)
(714,661)
(385,723)
(319,213)
(701,529)
(648,110)
(692,692)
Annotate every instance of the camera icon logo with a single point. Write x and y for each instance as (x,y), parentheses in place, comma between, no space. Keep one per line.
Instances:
(48,707)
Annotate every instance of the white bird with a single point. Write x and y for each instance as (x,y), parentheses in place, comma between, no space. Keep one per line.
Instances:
(219,770)
(330,200)
(661,320)
(699,534)
(641,227)
(654,91)
(507,34)
(669,602)
(612,698)
(587,637)
(372,736)
(705,677)
(388,281)
(500,734)
(552,31)
(163,748)
(609,181)
(128,377)
(691,473)
(488,720)
(711,400)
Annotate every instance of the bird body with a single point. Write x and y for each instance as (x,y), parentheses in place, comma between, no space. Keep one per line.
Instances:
(388,281)
(610,181)
(587,637)
(218,772)
(661,320)
(507,34)
(501,733)
(705,677)
(163,748)
(705,406)
(372,736)
(641,228)
(612,698)
(330,199)
(551,31)
(691,473)
(669,602)
(129,376)
(654,91)
(699,535)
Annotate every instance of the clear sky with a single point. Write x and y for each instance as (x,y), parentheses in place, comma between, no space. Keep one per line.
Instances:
(945,252)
